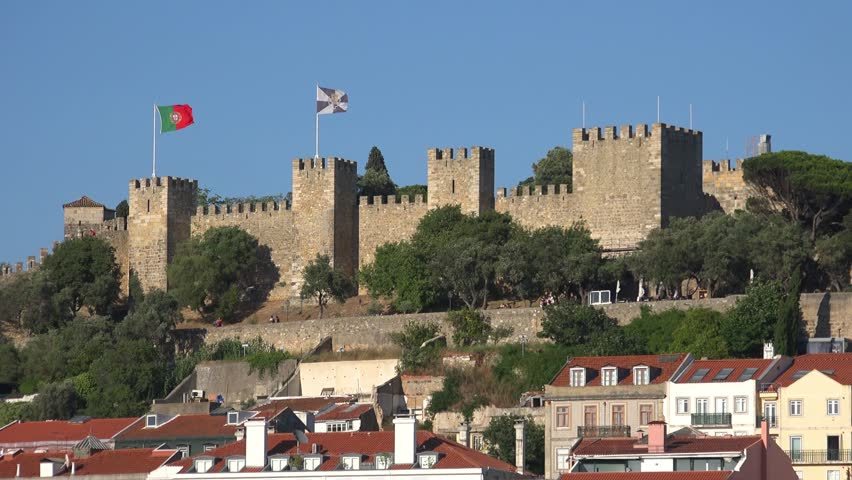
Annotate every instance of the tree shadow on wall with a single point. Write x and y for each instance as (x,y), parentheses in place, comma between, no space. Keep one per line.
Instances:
(823,317)
(266,276)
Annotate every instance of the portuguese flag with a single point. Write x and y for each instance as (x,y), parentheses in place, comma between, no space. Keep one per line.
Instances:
(175,117)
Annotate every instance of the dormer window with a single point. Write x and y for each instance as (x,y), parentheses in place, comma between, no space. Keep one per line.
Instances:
(233,418)
(641,375)
(278,463)
(311,462)
(150,421)
(383,461)
(427,459)
(609,376)
(351,462)
(578,377)
(235,464)
(203,464)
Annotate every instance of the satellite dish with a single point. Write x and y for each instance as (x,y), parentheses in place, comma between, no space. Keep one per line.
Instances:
(300,436)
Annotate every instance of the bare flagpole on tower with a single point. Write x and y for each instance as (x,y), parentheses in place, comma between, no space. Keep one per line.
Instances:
(690,116)
(154,149)
(658,109)
(316,131)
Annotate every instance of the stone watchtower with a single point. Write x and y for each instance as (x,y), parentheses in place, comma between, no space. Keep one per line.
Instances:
(325,211)
(160,218)
(462,177)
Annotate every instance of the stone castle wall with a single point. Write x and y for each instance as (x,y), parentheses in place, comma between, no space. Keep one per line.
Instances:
(462,176)
(386,220)
(539,206)
(725,184)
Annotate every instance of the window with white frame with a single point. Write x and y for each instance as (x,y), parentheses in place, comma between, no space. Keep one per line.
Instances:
(203,464)
(641,375)
(477,442)
(150,421)
(311,462)
(833,475)
(278,463)
(236,464)
(578,377)
(184,450)
(833,407)
(740,404)
(682,405)
(563,459)
(351,462)
(701,405)
(563,416)
(383,461)
(339,426)
(610,376)
(233,418)
(427,459)
(795,408)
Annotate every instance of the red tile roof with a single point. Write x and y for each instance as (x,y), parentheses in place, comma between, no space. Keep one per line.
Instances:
(714,366)
(106,462)
(369,444)
(711,475)
(297,404)
(663,366)
(344,411)
(83,201)
(62,430)
(840,363)
(195,426)
(674,444)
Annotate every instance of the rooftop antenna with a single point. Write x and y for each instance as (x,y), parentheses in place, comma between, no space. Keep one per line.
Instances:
(658,109)
(690,116)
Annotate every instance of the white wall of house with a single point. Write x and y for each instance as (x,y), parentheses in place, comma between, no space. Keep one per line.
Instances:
(716,394)
(322,427)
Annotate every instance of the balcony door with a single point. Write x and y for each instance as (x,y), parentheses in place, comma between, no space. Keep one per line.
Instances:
(769,412)
(796,449)
(832,447)
(590,416)
(617,415)
(721,404)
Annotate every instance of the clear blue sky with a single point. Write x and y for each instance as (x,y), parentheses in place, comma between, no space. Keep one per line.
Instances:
(78,81)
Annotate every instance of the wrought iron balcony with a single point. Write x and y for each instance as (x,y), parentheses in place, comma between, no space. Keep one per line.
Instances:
(711,419)
(819,456)
(604,431)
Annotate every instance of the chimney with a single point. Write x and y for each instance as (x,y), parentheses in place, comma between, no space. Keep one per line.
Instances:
(464,434)
(404,439)
(520,445)
(255,442)
(768,351)
(764,433)
(657,437)
(765,144)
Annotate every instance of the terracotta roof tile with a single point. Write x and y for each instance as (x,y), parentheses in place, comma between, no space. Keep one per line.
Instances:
(298,404)
(344,411)
(62,430)
(334,445)
(107,462)
(674,444)
(83,201)
(197,426)
(663,366)
(711,475)
(840,364)
(737,365)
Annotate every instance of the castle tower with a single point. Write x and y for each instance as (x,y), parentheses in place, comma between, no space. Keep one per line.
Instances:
(325,210)
(160,217)
(632,181)
(462,177)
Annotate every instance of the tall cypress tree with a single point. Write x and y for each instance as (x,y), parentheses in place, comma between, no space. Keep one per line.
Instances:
(376,161)
(789,318)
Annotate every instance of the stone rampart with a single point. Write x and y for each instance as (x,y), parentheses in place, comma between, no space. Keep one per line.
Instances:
(384,220)
(725,184)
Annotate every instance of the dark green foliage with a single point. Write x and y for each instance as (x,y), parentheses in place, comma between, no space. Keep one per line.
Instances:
(206,197)
(55,401)
(415,356)
(9,412)
(556,168)
(616,341)
(834,255)
(572,324)
(376,161)
(376,179)
(413,190)
(10,362)
(324,283)
(812,190)
(472,327)
(752,320)
(656,329)
(789,325)
(500,438)
(700,334)
(221,272)
(529,367)
(153,319)
(399,273)
(122,210)
(84,273)
(127,378)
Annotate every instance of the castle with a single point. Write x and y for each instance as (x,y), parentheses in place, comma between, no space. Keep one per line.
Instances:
(626,182)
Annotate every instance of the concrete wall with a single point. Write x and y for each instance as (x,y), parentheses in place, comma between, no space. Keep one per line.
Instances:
(356,377)
(232,380)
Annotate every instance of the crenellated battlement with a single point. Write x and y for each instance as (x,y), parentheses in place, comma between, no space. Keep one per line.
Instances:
(532,190)
(242,209)
(712,167)
(330,163)
(461,153)
(174,183)
(377,200)
(32,263)
(656,130)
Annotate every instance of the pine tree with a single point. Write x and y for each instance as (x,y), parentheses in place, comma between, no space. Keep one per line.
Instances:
(789,318)
(376,161)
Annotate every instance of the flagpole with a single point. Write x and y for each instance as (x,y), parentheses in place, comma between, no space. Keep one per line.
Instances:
(154,152)
(316,129)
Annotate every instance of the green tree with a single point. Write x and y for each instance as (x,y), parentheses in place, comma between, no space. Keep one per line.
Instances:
(529,367)
(556,168)
(500,438)
(752,320)
(812,190)
(834,255)
(413,190)
(616,341)
(572,324)
(323,282)
(125,388)
(376,179)
(376,161)
(122,210)
(399,273)
(700,334)
(11,411)
(55,401)
(153,319)
(656,328)
(789,325)
(10,361)
(471,327)
(416,352)
(84,273)
(215,272)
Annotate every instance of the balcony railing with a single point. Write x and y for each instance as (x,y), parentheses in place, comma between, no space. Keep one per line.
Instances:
(772,420)
(711,419)
(604,431)
(819,456)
